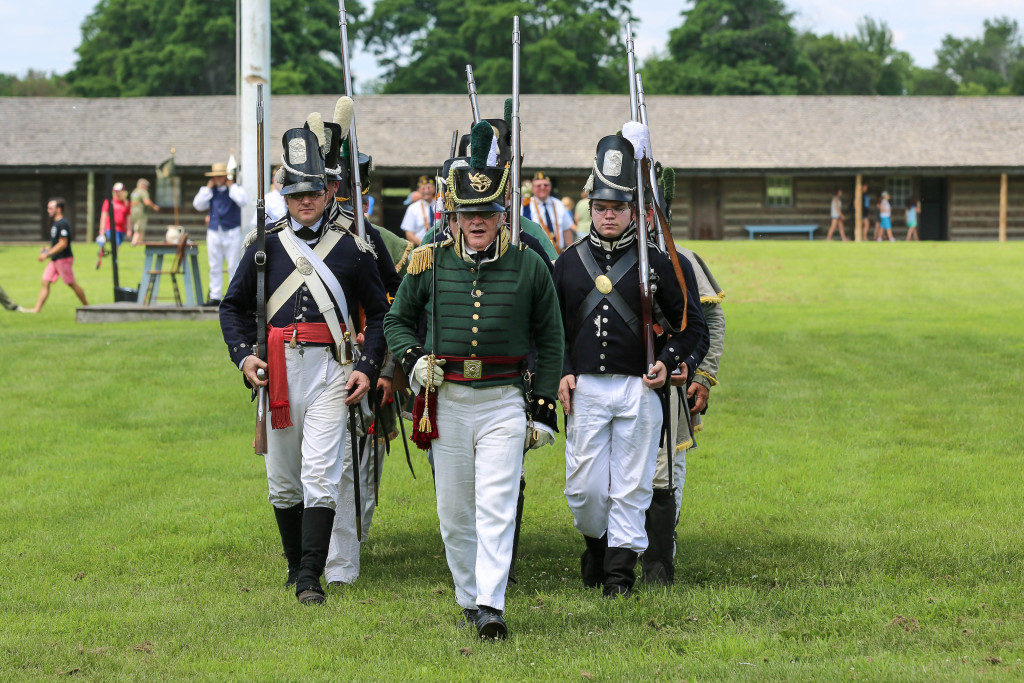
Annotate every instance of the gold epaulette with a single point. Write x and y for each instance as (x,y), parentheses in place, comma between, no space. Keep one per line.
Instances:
(713,299)
(422,258)
(250,238)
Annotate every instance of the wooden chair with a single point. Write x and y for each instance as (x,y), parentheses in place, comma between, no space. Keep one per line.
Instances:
(177,268)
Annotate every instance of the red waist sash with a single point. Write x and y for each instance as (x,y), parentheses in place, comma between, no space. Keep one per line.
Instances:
(277,337)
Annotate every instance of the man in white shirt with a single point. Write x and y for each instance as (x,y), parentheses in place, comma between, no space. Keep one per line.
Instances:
(550,213)
(419,217)
(224,199)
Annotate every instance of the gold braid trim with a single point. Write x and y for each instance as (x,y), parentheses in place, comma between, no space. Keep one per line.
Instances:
(683,446)
(422,258)
(714,382)
(713,299)
(500,192)
(405,256)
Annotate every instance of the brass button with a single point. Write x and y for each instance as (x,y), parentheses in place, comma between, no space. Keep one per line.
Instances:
(474,342)
(472,270)
(474,283)
(476,316)
(478,292)
(476,304)
(477,329)
(472,355)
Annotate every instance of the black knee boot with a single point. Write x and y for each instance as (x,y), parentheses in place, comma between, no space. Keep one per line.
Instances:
(289,523)
(316,539)
(619,572)
(658,560)
(592,561)
(519,526)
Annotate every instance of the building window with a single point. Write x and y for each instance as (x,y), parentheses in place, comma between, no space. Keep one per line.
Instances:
(901,189)
(778,191)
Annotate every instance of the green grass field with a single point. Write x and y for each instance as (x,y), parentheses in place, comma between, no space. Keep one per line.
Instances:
(854,510)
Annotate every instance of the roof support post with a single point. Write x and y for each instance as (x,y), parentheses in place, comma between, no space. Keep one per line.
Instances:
(90,206)
(1002,208)
(858,208)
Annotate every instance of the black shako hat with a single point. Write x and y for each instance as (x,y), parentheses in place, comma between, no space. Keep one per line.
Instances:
(475,186)
(303,162)
(613,177)
(332,151)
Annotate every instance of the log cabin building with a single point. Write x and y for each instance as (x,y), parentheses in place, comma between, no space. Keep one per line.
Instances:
(738,160)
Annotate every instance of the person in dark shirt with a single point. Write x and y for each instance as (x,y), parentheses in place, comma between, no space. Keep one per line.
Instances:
(59,253)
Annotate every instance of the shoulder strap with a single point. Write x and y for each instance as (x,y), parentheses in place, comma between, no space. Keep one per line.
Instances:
(594,298)
(287,288)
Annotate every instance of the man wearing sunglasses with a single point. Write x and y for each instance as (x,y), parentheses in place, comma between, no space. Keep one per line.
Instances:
(317,274)
(611,401)
(486,301)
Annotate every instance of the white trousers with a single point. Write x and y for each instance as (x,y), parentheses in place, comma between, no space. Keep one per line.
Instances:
(222,245)
(304,461)
(610,454)
(478,460)
(343,556)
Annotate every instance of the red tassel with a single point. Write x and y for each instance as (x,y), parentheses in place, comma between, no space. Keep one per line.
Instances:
(423,438)
(280,415)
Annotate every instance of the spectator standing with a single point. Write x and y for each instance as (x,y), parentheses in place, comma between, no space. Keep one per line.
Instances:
(140,207)
(884,219)
(122,212)
(836,211)
(866,215)
(59,253)
(549,212)
(913,211)
(224,199)
(419,216)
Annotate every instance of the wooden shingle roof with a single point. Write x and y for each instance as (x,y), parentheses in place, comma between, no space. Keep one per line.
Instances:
(691,134)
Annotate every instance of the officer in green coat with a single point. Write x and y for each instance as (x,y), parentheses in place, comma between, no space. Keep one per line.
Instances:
(487,301)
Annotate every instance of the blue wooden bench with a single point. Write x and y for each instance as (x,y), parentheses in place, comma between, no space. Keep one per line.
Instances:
(809,229)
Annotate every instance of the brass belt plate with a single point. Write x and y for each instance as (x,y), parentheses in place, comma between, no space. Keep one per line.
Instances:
(603,284)
(472,369)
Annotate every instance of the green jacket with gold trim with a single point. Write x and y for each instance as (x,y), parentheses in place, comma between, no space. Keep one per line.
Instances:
(496,308)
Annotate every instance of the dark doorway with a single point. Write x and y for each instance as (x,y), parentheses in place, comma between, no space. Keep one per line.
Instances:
(59,186)
(933,224)
(707,210)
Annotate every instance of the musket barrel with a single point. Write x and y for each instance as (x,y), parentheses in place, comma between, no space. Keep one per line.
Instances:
(642,111)
(631,61)
(353,144)
(471,85)
(516,175)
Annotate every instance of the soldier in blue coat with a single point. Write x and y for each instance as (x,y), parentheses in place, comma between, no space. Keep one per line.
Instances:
(317,273)
(611,399)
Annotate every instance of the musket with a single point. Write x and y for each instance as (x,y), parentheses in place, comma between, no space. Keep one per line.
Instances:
(516,203)
(260,257)
(471,84)
(353,145)
(646,291)
(650,176)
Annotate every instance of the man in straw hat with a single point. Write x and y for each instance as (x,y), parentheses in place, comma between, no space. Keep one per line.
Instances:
(224,199)
(610,397)
(486,302)
(317,274)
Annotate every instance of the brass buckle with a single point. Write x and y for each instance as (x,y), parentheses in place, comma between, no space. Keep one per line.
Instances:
(472,369)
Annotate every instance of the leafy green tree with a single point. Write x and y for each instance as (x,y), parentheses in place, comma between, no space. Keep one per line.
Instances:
(187,47)
(844,66)
(986,65)
(875,37)
(34,84)
(733,47)
(931,82)
(568,46)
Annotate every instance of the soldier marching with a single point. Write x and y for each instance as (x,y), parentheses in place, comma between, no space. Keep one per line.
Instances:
(489,336)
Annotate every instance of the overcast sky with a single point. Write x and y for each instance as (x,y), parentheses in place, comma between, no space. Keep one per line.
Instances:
(43,34)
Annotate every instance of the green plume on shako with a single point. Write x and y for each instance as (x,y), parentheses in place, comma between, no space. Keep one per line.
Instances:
(480,144)
(508,112)
(668,181)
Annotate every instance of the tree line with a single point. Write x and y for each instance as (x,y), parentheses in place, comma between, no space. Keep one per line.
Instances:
(722,47)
